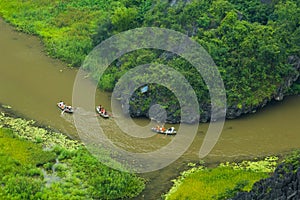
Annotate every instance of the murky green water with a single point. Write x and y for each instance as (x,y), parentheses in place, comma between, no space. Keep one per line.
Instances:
(32,83)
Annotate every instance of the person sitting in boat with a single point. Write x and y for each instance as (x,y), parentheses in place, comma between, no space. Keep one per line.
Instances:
(162,129)
(61,103)
(63,106)
(157,128)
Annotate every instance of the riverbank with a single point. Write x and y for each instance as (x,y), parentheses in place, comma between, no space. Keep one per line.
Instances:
(271,131)
(66,156)
(259,72)
(283,184)
(42,164)
(259,179)
(267,132)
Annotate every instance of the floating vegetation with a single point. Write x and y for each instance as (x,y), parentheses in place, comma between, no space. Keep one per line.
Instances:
(40,164)
(27,130)
(6,106)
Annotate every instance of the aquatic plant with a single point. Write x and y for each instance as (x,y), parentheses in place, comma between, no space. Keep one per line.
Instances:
(26,129)
(41,164)
(268,164)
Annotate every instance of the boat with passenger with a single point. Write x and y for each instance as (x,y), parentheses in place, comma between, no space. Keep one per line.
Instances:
(163,130)
(102,112)
(65,108)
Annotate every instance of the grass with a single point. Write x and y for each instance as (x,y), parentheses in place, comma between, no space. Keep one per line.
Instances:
(20,176)
(23,151)
(65,171)
(65,27)
(209,183)
(221,182)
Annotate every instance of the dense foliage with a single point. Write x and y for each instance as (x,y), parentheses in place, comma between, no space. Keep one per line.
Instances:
(250,41)
(40,164)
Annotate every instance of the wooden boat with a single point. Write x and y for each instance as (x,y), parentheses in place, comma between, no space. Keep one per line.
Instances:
(65,108)
(169,131)
(102,114)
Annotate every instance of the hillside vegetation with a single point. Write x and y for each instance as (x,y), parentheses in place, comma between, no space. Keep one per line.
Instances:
(255,44)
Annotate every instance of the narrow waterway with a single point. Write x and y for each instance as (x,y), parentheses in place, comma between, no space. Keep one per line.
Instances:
(31,83)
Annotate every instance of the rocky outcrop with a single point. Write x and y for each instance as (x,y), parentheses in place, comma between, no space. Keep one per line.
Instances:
(283,185)
(295,61)
(235,111)
(172,112)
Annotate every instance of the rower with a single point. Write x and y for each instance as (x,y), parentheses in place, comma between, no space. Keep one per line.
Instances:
(61,103)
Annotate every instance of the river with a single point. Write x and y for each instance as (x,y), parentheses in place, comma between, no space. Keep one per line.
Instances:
(31,83)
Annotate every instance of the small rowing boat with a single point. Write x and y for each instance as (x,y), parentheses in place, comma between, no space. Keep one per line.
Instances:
(102,112)
(65,108)
(162,130)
